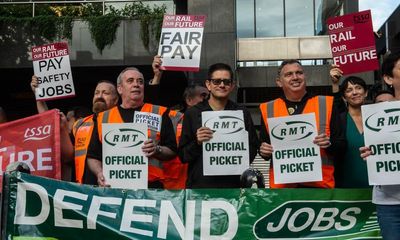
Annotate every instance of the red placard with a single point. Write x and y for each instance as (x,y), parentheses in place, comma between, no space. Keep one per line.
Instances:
(35,141)
(353,42)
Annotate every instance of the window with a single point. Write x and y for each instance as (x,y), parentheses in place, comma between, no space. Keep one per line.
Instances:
(245,18)
(269,18)
(280,18)
(325,9)
(299,16)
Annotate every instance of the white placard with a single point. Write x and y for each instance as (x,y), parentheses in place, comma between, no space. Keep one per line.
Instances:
(53,70)
(180,42)
(124,163)
(382,134)
(296,158)
(227,153)
(152,120)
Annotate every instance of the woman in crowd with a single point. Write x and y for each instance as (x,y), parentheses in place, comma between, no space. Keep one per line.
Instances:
(350,168)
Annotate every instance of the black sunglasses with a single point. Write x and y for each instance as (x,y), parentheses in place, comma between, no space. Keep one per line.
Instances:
(226,82)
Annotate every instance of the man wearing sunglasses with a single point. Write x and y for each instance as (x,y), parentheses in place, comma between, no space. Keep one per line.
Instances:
(296,100)
(220,84)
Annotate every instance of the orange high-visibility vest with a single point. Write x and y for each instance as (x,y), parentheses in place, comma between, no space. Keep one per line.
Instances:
(82,131)
(175,172)
(322,107)
(113,116)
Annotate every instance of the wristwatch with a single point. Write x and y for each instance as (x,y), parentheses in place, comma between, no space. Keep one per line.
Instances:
(158,149)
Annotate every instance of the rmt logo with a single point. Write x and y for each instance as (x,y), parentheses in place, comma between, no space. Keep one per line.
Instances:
(124,138)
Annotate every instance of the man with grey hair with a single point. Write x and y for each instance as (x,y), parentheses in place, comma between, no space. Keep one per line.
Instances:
(194,94)
(105,97)
(160,146)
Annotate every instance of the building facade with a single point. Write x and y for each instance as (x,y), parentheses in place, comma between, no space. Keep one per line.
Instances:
(252,36)
(256,35)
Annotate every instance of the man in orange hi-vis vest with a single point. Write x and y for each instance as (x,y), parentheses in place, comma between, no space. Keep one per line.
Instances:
(296,100)
(161,145)
(105,97)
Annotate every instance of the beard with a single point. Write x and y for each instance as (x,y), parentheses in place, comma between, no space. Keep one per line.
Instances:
(99,106)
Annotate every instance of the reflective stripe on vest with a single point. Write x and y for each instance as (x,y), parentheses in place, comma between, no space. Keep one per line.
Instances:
(175,171)
(322,113)
(76,125)
(79,153)
(176,119)
(82,131)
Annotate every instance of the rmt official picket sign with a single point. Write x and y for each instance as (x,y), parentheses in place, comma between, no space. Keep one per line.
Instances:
(227,152)
(296,158)
(381,134)
(124,163)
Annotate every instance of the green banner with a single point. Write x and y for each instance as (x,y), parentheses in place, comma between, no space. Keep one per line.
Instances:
(41,208)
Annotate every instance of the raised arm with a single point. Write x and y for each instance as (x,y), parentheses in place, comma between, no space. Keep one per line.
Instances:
(40,105)
(156,65)
(335,75)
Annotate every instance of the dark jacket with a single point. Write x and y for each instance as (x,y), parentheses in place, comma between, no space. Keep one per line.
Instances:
(191,152)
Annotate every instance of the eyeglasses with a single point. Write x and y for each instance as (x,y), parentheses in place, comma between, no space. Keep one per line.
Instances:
(226,82)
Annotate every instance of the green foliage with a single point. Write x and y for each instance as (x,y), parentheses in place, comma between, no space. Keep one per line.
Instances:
(64,26)
(150,25)
(92,9)
(53,22)
(103,30)
(150,20)
(44,26)
(48,27)
(25,11)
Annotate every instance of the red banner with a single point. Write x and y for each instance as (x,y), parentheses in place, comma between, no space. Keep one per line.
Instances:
(35,141)
(353,42)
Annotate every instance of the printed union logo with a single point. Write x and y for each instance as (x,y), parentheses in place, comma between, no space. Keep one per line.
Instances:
(384,121)
(361,18)
(225,124)
(292,130)
(318,219)
(124,137)
(37,133)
